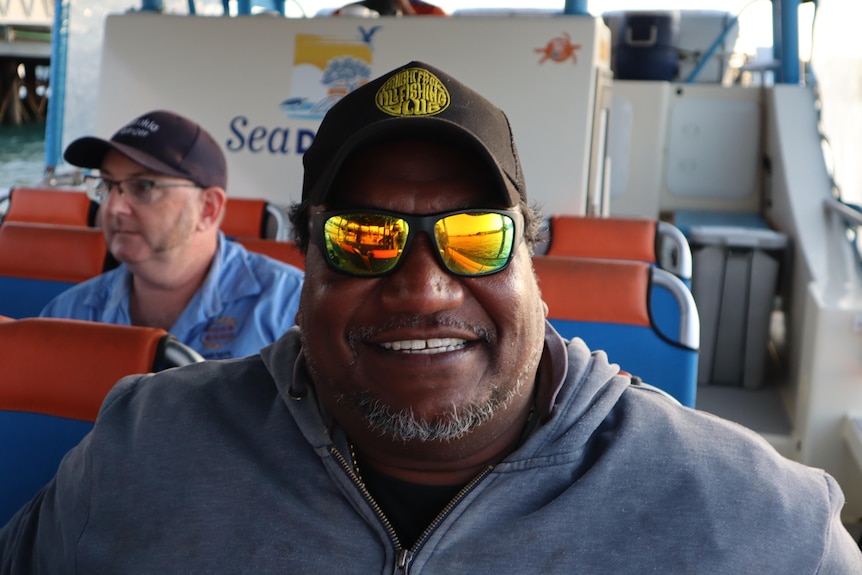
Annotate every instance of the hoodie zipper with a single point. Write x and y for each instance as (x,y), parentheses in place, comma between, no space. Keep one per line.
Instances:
(404,556)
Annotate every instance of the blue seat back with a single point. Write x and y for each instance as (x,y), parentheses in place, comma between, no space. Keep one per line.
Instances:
(33,445)
(25,297)
(613,305)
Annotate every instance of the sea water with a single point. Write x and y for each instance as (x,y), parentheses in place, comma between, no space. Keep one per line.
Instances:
(22,154)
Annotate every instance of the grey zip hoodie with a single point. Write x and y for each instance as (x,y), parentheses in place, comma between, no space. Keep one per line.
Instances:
(231,467)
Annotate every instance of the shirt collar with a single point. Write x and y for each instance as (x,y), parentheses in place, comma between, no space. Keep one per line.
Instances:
(230,278)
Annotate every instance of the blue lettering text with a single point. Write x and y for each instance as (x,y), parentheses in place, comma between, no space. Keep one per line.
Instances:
(277,140)
(236,126)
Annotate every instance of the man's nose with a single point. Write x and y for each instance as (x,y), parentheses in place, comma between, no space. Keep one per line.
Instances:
(421,284)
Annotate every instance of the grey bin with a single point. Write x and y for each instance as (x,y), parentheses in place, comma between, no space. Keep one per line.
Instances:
(734,280)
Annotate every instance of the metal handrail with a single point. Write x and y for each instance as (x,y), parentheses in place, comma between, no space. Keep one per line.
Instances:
(689,319)
(850,214)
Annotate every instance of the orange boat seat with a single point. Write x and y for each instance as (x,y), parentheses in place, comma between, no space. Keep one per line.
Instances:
(38,261)
(286,252)
(640,239)
(56,372)
(254,218)
(610,305)
(62,206)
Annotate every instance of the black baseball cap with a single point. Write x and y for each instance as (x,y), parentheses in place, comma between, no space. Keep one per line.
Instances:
(413,101)
(161,141)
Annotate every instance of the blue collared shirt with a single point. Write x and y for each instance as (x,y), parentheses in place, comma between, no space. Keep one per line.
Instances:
(246,302)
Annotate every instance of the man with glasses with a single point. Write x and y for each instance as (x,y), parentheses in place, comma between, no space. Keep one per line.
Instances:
(161,188)
(422,417)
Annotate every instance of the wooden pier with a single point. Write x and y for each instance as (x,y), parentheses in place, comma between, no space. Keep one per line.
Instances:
(25,56)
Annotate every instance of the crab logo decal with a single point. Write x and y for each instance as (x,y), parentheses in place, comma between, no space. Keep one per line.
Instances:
(559,49)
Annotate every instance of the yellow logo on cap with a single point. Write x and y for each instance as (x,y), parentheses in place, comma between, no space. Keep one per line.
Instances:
(412,92)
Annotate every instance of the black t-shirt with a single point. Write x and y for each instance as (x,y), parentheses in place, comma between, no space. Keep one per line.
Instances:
(410,507)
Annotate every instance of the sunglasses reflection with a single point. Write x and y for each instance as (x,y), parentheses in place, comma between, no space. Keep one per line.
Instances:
(364,243)
(468,243)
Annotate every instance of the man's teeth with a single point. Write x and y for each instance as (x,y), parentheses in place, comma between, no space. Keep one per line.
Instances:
(437,345)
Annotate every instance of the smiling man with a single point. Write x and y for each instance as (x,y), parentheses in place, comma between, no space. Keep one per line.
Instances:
(422,417)
(441,335)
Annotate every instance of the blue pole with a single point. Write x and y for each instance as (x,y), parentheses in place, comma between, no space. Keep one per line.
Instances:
(57,83)
(788,54)
(576,7)
(243,7)
(776,37)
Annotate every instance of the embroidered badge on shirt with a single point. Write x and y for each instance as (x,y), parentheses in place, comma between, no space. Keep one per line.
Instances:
(219,332)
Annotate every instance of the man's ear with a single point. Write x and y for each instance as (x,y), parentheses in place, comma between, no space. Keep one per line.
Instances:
(214,203)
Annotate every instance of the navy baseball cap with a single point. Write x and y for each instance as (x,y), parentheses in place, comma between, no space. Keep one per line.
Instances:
(414,101)
(161,141)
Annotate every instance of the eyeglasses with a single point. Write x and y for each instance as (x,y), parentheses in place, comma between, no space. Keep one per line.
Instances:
(365,243)
(136,190)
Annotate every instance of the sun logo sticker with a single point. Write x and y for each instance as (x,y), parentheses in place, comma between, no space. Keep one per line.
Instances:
(559,49)
(412,92)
